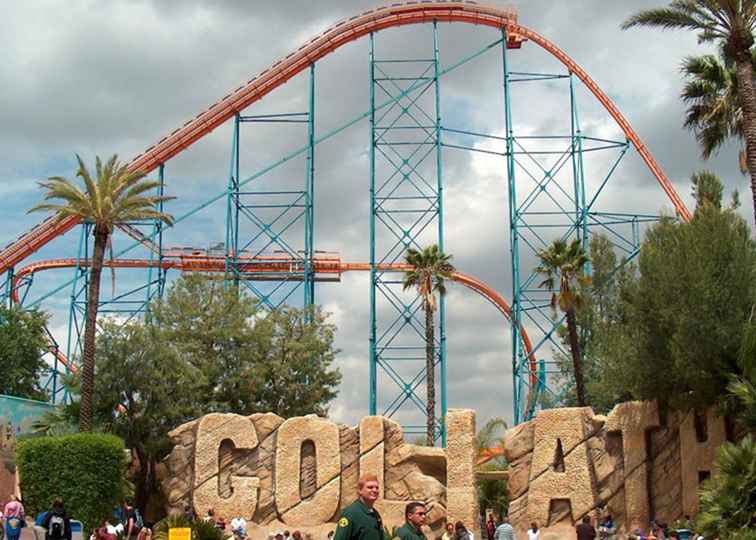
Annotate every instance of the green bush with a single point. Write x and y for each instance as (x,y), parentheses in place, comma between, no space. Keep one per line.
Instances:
(201,530)
(728,500)
(87,470)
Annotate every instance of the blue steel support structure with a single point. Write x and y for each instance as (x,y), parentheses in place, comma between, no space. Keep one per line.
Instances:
(263,223)
(548,191)
(551,195)
(406,212)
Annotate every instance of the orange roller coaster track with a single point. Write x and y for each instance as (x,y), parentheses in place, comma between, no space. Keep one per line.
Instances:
(338,35)
(324,267)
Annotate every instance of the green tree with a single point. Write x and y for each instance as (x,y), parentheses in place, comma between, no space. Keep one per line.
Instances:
(430,269)
(602,328)
(567,262)
(114,196)
(22,343)
(492,493)
(729,24)
(685,314)
(144,389)
(714,112)
(249,361)
(294,376)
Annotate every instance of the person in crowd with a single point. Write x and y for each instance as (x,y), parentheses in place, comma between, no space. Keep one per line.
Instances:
(360,520)
(296,535)
(239,527)
(490,527)
(57,523)
(287,535)
(414,519)
(606,527)
(461,532)
(448,532)
(131,525)
(533,532)
(209,516)
(505,531)
(145,533)
(279,535)
(189,513)
(220,523)
(585,530)
(330,534)
(14,518)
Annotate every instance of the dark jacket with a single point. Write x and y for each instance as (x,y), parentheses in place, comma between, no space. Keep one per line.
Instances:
(66,524)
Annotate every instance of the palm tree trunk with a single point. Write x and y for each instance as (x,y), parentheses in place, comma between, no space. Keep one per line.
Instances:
(430,375)
(90,327)
(577,364)
(744,70)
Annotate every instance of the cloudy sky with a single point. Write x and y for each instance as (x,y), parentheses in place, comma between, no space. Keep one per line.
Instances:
(97,78)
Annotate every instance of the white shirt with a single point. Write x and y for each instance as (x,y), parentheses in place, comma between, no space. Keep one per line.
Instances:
(534,535)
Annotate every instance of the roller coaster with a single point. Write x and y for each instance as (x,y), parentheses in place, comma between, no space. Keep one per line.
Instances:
(551,194)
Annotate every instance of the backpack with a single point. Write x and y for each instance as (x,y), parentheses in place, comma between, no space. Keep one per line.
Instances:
(14,525)
(57,526)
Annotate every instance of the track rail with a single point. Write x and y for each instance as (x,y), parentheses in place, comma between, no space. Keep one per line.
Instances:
(322,266)
(340,34)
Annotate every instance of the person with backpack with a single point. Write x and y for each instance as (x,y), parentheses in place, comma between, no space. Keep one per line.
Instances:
(132,520)
(57,522)
(14,518)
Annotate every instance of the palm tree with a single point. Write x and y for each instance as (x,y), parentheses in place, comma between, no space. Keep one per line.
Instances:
(567,262)
(730,24)
(714,112)
(115,196)
(430,269)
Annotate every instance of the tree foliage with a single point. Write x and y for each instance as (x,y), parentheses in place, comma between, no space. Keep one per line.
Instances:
(431,267)
(728,24)
(87,470)
(566,263)
(22,343)
(673,330)
(208,348)
(114,195)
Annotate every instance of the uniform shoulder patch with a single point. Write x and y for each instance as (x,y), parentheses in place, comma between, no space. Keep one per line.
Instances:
(343,522)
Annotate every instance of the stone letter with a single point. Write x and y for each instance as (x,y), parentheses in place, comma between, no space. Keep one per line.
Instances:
(574,482)
(322,506)
(697,456)
(633,419)
(372,460)
(213,429)
(461,498)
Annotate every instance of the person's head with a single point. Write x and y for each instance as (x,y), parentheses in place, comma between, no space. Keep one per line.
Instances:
(296,535)
(330,534)
(57,503)
(505,519)
(210,512)
(368,489)
(287,534)
(460,528)
(587,519)
(490,517)
(534,526)
(415,514)
(450,527)
(14,498)
(279,535)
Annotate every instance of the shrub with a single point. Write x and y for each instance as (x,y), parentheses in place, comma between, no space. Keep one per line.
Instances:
(201,530)
(728,500)
(86,470)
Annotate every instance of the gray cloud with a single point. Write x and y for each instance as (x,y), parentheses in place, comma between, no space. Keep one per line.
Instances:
(116,77)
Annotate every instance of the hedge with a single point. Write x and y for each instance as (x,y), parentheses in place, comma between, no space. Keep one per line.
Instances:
(86,470)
